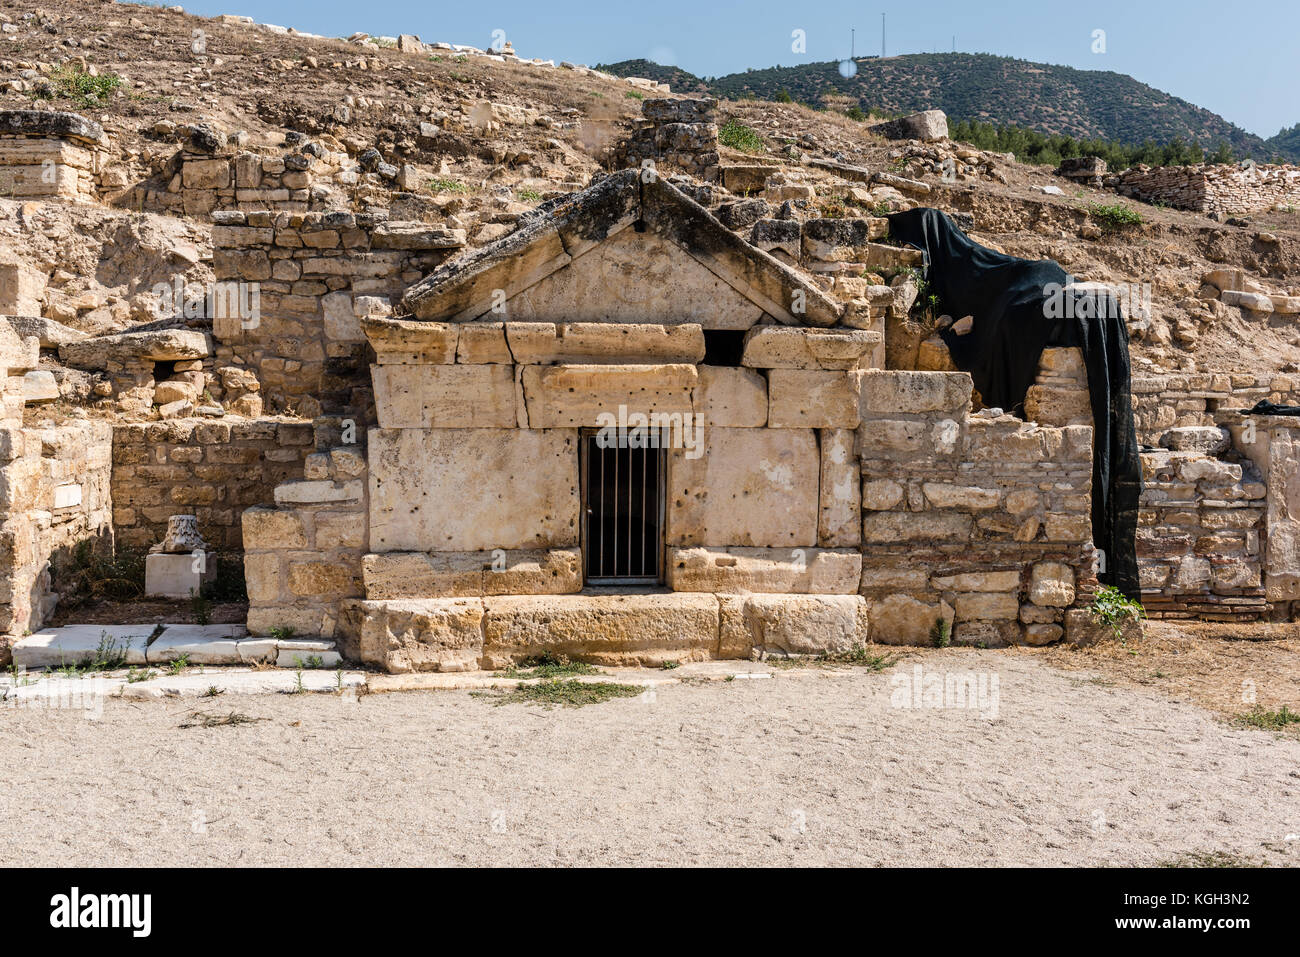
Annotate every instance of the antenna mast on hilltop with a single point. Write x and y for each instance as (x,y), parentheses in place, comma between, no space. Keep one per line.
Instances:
(882,34)
(852,42)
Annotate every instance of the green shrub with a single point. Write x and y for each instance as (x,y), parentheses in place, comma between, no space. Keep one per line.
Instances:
(1114,217)
(738,136)
(1111,607)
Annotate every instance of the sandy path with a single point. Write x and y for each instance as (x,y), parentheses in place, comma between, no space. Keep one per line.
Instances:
(806,768)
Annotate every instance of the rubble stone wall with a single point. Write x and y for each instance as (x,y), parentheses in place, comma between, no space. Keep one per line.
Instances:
(1163,402)
(47,167)
(982,522)
(212,469)
(1226,189)
(317,274)
(303,554)
(54,495)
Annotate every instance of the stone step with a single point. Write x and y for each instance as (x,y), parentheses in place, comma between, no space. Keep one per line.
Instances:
(621,629)
(197,644)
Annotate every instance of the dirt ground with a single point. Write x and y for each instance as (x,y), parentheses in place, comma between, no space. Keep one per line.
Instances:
(1072,758)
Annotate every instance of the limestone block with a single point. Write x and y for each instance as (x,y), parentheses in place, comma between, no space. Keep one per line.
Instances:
(1068,528)
(1282,553)
(55,647)
(766,570)
(481,343)
(317,493)
(890,391)
(473,489)
(546,343)
(306,654)
(457,574)
(904,620)
(794,347)
(806,624)
(754,487)
(984,605)
(731,397)
(946,527)
(262,577)
(640,629)
(978,581)
(341,321)
(39,385)
(415,635)
(309,620)
(839,502)
(411,342)
(974,498)
(577,395)
(1052,584)
(198,645)
(444,396)
(812,399)
(272,528)
(880,495)
(21,290)
(177,576)
(326,580)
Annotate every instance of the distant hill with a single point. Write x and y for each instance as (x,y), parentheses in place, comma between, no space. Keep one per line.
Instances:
(980,87)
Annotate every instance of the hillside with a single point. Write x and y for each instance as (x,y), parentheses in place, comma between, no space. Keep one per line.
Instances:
(1086,104)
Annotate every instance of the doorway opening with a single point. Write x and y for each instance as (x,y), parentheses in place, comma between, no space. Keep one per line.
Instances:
(623,512)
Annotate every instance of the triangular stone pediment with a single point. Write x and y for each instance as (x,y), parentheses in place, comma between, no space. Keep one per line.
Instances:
(621,250)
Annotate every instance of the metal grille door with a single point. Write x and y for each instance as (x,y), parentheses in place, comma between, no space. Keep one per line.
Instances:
(623,508)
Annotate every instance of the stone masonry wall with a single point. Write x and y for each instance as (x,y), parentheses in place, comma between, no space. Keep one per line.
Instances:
(55,496)
(981,521)
(213,469)
(45,154)
(317,273)
(1163,402)
(303,554)
(1201,529)
(1225,189)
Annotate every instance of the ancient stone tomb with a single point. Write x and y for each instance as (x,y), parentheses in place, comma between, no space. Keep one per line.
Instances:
(625,434)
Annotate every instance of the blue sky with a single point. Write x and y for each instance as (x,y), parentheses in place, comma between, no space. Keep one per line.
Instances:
(1238,60)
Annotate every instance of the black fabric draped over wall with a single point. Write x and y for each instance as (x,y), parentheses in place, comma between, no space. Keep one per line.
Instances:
(1008,299)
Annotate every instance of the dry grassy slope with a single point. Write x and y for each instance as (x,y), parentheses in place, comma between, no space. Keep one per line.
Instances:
(261,82)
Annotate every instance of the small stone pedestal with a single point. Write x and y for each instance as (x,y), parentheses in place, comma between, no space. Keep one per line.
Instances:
(173,576)
(178,566)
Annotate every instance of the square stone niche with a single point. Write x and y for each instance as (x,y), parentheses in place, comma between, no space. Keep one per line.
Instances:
(173,575)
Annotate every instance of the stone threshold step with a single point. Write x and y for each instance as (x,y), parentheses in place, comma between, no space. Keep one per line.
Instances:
(638,629)
(148,644)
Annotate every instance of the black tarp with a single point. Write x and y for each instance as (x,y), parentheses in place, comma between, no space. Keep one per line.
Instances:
(1019,307)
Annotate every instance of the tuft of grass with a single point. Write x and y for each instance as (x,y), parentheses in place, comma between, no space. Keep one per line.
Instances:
(738,136)
(180,664)
(282,632)
(133,676)
(634,95)
(1114,217)
(213,692)
(208,719)
(529,196)
(442,184)
(548,666)
(109,656)
(860,656)
(313,663)
(1270,720)
(567,694)
(941,632)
